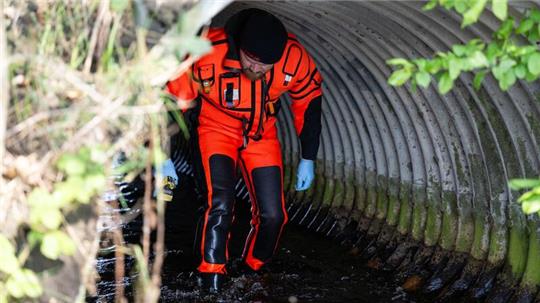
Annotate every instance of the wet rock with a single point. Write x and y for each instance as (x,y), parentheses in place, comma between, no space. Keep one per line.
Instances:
(293,299)
(355,251)
(256,286)
(413,283)
(374,263)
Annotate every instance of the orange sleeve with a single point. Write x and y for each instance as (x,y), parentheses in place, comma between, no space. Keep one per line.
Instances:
(183,88)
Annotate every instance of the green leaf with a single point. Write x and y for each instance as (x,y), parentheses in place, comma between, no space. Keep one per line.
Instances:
(430,5)
(533,64)
(454,68)
(478,78)
(423,79)
(5,246)
(472,15)
(421,63)
(14,285)
(500,8)
(39,197)
(9,263)
(399,61)
(447,4)
(50,218)
(493,50)
(95,182)
(475,45)
(413,85)
(525,26)
(505,29)
(34,238)
(520,71)
(31,286)
(445,83)
(530,207)
(60,241)
(525,50)
(119,6)
(64,194)
(530,77)
(526,196)
(71,164)
(50,246)
(535,15)
(24,283)
(461,6)
(517,184)
(477,60)
(399,77)
(507,80)
(534,35)
(459,50)
(506,64)
(433,66)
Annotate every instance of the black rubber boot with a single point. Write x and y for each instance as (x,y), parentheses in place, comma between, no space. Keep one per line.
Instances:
(211,282)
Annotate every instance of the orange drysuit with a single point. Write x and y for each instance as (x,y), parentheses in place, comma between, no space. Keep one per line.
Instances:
(236,127)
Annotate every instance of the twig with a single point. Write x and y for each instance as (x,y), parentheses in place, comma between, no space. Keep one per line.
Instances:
(33,120)
(105,114)
(141,21)
(159,246)
(65,73)
(159,130)
(119,265)
(147,206)
(4,93)
(103,9)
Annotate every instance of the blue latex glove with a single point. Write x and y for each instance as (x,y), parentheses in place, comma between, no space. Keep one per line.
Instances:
(169,180)
(305,174)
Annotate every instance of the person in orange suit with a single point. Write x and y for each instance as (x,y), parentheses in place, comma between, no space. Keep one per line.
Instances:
(253,61)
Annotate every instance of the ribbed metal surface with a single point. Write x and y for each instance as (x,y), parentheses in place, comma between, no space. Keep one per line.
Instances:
(402,166)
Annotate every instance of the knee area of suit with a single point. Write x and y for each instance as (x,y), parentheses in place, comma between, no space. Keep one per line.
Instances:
(222,197)
(220,212)
(275,218)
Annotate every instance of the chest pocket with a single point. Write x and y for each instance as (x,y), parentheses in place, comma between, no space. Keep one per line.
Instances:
(292,62)
(206,77)
(230,90)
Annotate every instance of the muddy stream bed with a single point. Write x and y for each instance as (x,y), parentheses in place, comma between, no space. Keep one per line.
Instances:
(306,267)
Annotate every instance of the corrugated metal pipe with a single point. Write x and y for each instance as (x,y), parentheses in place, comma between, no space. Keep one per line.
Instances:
(415,181)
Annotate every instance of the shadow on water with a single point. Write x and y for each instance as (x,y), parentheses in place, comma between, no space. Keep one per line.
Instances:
(306,268)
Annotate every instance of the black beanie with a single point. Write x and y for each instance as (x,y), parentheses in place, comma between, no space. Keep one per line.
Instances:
(263,36)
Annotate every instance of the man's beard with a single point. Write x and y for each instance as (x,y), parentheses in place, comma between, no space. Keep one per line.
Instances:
(251,75)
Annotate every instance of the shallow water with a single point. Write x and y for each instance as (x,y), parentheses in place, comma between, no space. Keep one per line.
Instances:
(306,268)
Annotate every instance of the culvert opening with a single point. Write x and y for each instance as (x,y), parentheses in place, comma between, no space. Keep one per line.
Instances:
(412,182)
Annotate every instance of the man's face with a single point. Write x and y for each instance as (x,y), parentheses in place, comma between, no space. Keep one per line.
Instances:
(252,68)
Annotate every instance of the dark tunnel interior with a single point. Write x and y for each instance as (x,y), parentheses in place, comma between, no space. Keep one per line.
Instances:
(410,172)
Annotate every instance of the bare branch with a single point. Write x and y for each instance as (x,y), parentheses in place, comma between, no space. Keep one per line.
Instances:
(4,91)
(101,21)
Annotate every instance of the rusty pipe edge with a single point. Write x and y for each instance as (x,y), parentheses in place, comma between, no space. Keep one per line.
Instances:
(414,180)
